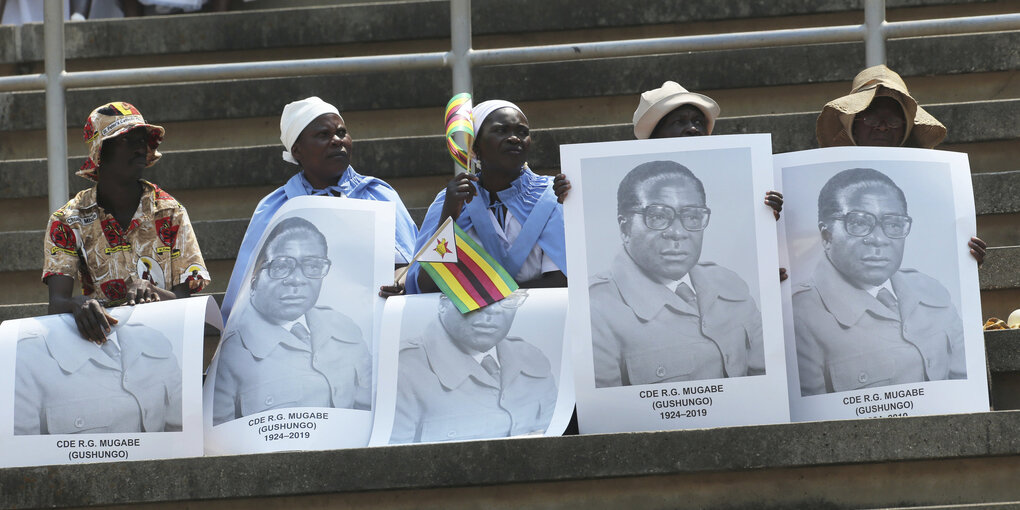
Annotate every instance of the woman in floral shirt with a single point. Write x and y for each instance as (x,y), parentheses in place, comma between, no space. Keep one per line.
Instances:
(127,241)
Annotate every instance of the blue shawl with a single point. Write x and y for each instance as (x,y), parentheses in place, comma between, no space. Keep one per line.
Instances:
(531,200)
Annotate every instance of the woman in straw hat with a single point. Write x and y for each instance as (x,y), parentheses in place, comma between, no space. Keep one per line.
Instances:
(880,112)
(128,241)
(316,139)
(503,205)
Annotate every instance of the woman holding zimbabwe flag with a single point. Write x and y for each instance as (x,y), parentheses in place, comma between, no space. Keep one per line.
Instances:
(501,204)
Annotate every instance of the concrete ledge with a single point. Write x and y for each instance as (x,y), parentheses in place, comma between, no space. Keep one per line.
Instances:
(231,31)
(231,167)
(1000,269)
(219,240)
(384,21)
(981,436)
(1000,192)
(577,15)
(533,82)
(422,156)
(257,98)
(1003,349)
(710,70)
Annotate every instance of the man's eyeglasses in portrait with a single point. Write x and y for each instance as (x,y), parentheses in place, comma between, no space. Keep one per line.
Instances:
(660,217)
(515,300)
(314,268)
(861,224)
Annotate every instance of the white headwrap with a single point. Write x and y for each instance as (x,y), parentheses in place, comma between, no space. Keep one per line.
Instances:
(483,109)
(296,116)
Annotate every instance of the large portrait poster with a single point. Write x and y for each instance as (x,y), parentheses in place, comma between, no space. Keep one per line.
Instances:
(674,288)
(882,308)
(66,400)
(499,371)
(295,368)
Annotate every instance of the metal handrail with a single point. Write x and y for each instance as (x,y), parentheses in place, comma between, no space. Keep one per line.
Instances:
(461,58)
(516,55)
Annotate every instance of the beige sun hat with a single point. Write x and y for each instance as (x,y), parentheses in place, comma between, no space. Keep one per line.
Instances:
(834,125)
(657,103)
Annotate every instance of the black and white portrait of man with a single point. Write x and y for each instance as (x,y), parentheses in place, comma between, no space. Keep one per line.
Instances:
(863,319)
(65,385)
(285,349)
(674,287)
(662,312)
(466,377)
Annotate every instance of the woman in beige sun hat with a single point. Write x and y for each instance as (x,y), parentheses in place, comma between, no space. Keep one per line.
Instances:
(672,111)
(878,111)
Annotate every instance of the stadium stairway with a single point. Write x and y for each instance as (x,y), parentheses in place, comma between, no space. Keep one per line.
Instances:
(222,153)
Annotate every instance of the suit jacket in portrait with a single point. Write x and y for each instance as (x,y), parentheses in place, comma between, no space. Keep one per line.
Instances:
(847,339)
(65,384)
(642,333)
(443,394)
(262,366)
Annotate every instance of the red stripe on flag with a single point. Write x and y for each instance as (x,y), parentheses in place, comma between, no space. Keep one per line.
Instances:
(465,282)
(472,265)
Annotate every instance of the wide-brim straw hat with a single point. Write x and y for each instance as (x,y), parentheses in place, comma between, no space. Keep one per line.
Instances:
(657,103)
(111,120)
(834,127)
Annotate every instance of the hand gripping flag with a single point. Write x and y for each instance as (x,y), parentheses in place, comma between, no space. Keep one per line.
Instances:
(458,120)
(463,270)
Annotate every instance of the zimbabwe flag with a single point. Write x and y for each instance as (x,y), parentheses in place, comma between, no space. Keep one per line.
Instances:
(463,270)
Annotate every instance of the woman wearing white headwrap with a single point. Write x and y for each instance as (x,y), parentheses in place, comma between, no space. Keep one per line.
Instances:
(315,138)
(507,208)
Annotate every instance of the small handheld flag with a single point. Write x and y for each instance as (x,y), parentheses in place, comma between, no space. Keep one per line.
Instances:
(463,270)
(458,120)
(443,245)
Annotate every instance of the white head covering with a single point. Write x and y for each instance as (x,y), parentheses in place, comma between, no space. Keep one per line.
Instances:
(483,109)
(296,116)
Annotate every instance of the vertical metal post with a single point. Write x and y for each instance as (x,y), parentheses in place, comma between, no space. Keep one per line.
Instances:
(56,124)
(874,38)
(460,46)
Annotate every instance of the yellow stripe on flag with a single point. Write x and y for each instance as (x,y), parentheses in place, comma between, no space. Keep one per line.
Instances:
(454,285)
(497,280)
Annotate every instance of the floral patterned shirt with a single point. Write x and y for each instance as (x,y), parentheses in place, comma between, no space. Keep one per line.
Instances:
(158,245)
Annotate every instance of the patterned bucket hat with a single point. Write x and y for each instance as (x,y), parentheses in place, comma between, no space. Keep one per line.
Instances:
(834,125)
(110,120)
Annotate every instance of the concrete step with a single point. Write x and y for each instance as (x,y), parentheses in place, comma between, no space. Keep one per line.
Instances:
(388,21)
(953,461)
(764,67)
(1000,192)
(425,156)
